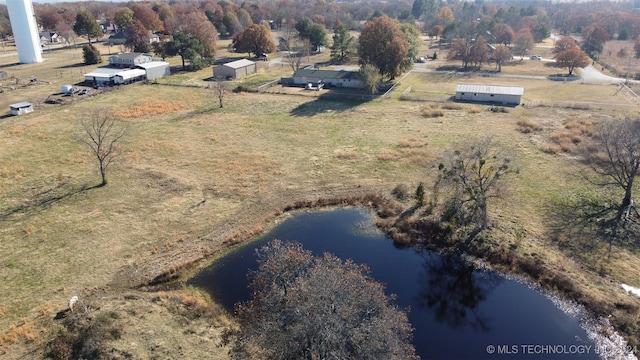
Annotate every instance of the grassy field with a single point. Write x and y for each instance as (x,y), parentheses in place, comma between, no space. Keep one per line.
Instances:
(193,178)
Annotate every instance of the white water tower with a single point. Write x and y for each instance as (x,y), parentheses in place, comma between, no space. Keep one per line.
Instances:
(25,31)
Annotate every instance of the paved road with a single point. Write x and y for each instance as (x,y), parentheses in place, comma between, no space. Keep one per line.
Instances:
(588,74)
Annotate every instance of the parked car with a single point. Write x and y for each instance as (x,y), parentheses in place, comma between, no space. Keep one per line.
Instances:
(422,59)
(536,57)
(85,91)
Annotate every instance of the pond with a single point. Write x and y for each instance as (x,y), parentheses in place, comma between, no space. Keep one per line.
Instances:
(458,311)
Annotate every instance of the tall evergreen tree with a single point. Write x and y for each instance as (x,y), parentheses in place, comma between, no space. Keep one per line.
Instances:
(86,25)
(343,44)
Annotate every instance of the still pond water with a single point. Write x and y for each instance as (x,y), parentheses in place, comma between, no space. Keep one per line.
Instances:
(458,312)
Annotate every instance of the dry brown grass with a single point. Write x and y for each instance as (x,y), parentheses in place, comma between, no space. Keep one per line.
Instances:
(432,111)
(410,143)
(452,106)
(388,155)
(574,132)
(527,126)
(346,154)
(151,108)
(619,65)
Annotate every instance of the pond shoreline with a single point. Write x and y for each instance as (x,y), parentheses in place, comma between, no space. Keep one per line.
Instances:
(388,211)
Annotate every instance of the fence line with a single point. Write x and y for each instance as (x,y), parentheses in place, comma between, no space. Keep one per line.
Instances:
(263,87)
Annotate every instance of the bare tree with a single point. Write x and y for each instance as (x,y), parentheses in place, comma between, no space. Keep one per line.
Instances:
(307,307)
(473,174)
(101,133)
(220,90)
(298,49)
(615,155)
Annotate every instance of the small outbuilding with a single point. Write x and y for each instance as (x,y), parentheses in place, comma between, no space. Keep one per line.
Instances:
(21,108)
(333,78)
(506,95)
(235,69)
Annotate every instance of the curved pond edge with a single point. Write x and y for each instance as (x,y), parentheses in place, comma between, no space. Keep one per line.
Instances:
(386,207)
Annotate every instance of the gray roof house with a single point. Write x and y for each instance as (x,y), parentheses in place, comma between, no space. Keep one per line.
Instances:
(120,37)
(129,59)
(506,95)
(334,78)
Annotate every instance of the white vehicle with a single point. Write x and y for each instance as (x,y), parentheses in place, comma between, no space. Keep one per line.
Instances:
(536,57)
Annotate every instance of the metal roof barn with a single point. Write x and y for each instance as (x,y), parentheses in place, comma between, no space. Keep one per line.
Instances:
(129,76)
(506,95)
(235,69)
(156,69)
(111,76)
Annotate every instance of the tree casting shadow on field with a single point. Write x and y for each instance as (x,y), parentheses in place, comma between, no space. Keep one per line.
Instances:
(583,222)
(328,102)
(46,198)
(613,155)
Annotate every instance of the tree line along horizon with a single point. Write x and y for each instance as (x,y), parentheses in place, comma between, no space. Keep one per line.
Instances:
(190,29)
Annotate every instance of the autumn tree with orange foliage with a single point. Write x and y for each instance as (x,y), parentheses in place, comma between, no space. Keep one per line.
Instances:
(255,39)
(571,59)
(383,44)
(500,55)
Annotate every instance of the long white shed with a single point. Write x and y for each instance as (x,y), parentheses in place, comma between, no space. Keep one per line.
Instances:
(506,95)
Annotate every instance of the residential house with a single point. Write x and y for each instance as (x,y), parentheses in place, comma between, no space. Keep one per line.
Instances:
(129,59)
(333,78)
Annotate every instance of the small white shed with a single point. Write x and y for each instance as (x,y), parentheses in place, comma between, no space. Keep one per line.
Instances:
(506,95)
(21,108)
(235,69)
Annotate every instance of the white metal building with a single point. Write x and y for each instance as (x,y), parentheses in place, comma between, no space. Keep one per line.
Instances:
(21,108)
(506,95)
(235,69)
(156,69)
(25,31)
(112,76)
(129,76)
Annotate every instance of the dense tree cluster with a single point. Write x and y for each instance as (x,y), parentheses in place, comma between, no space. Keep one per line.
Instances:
(514,25)
(306,307)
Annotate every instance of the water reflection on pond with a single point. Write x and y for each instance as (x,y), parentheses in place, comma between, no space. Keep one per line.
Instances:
(458,312)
